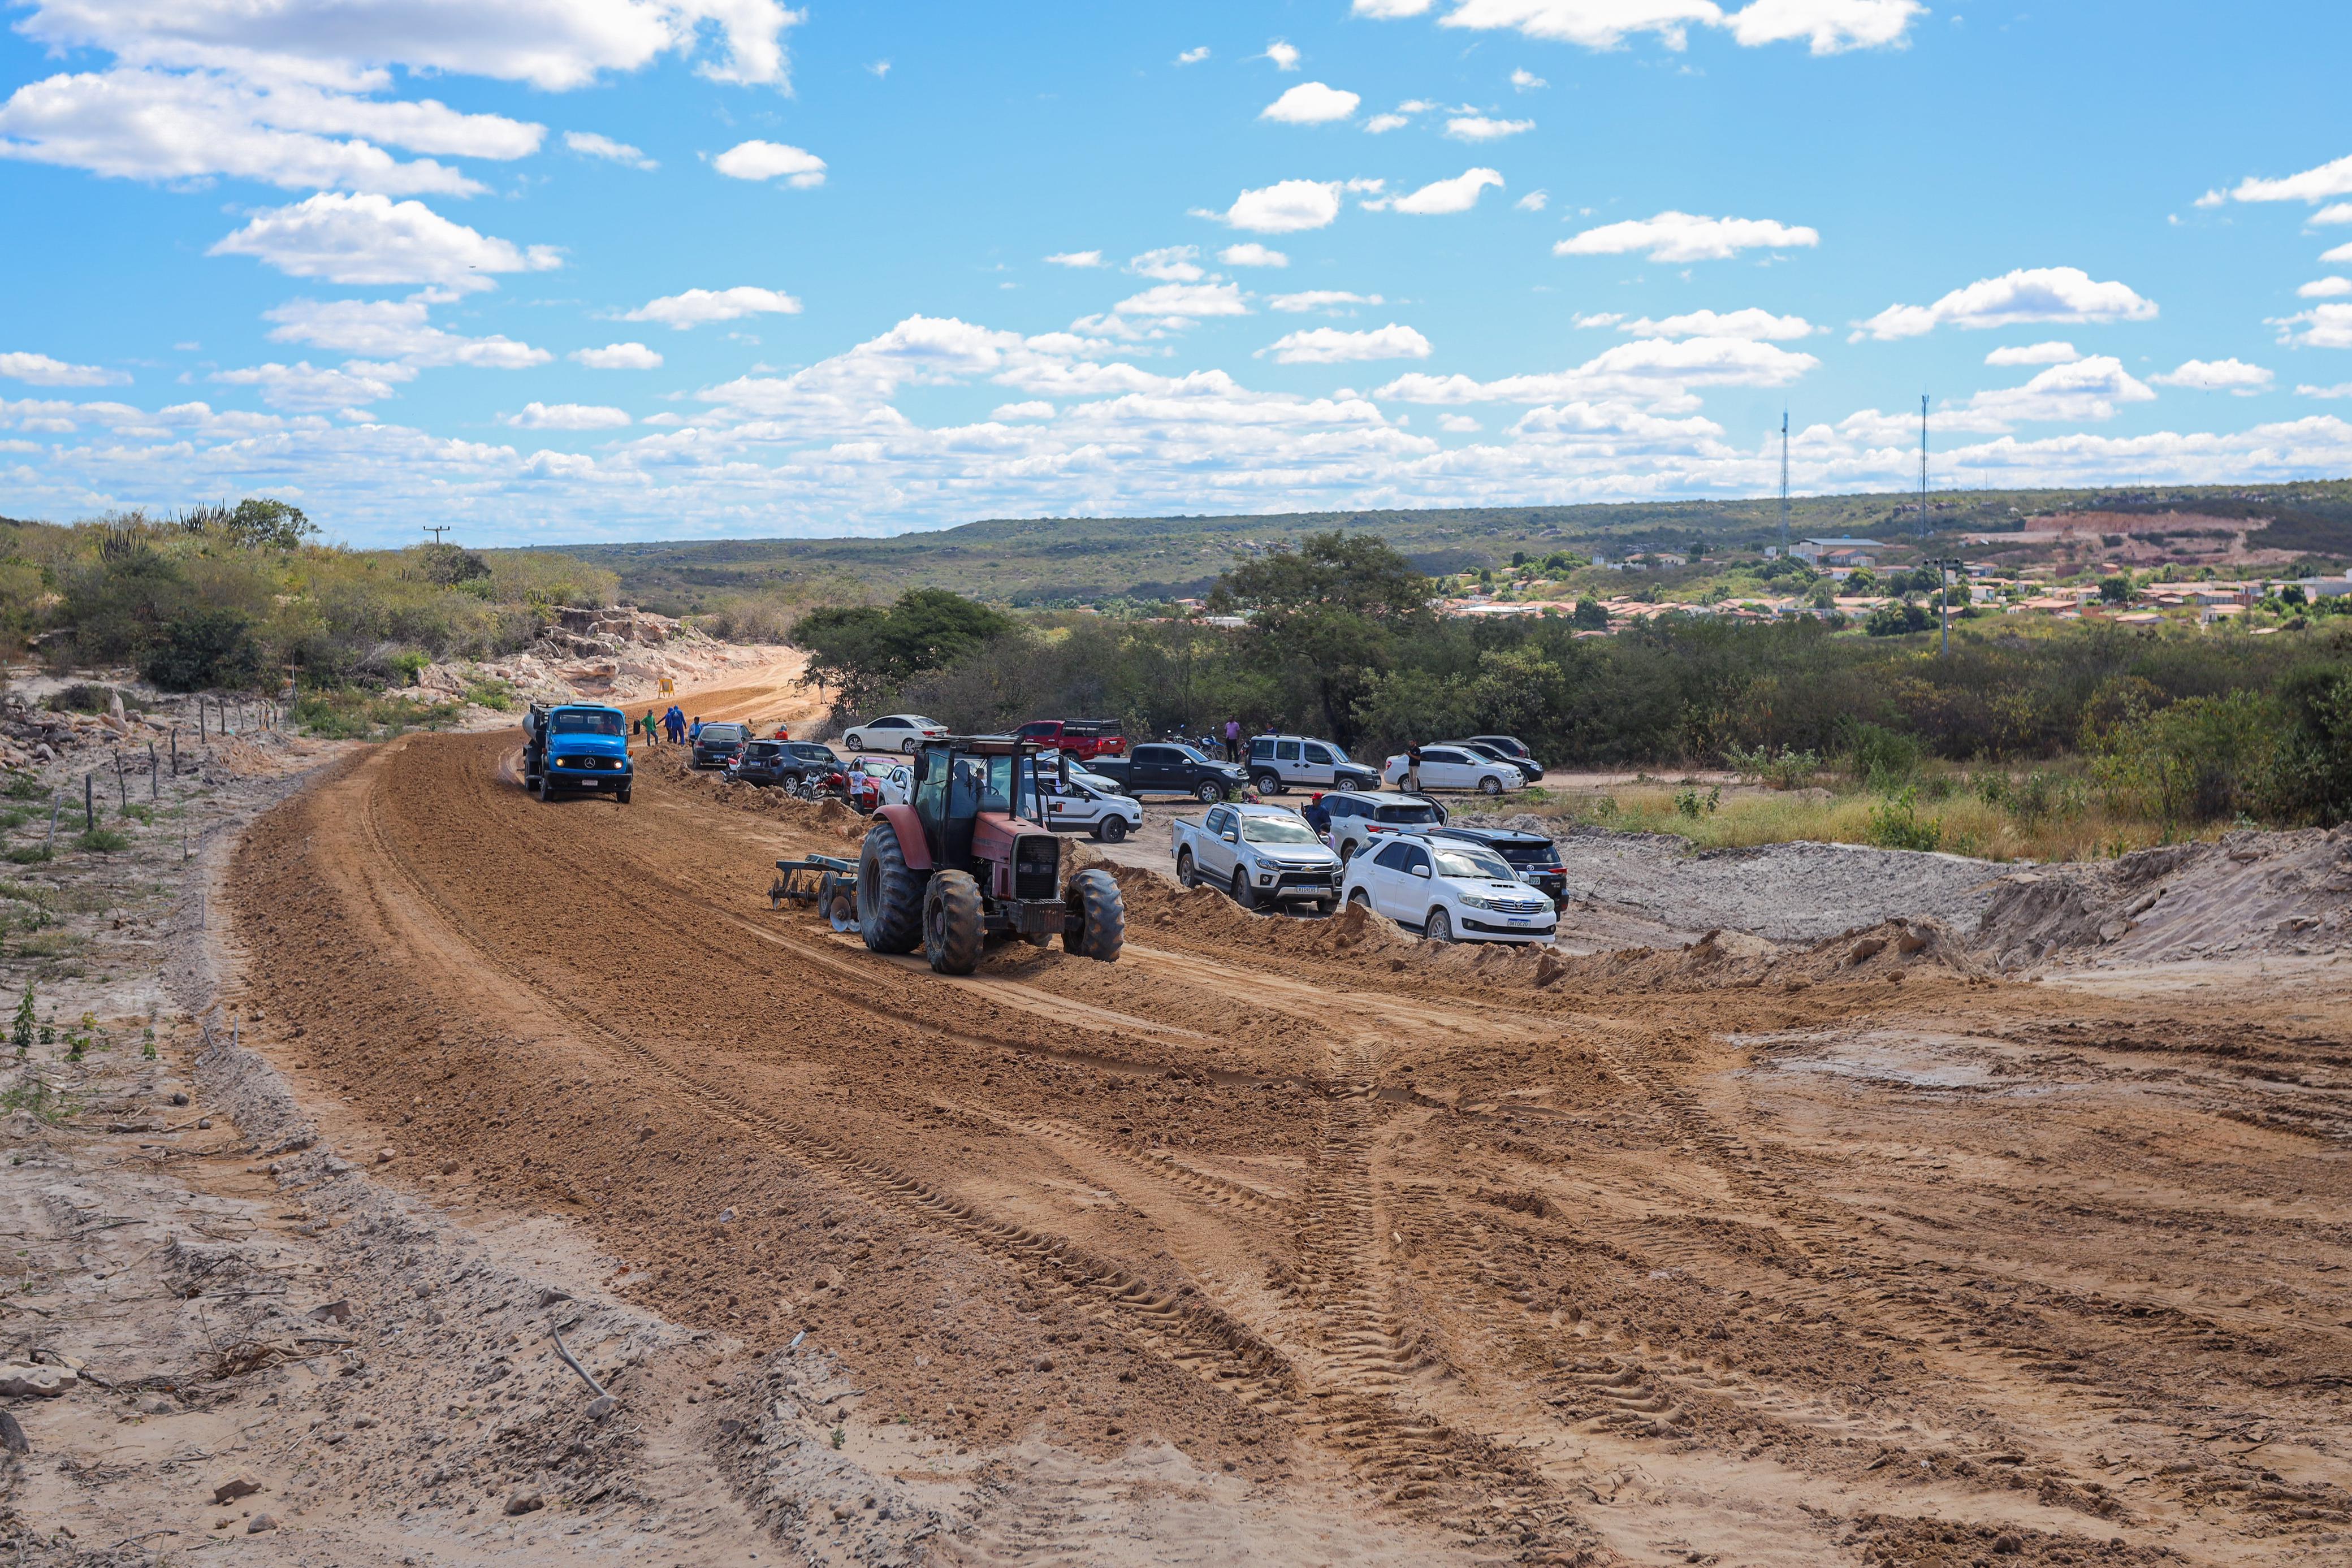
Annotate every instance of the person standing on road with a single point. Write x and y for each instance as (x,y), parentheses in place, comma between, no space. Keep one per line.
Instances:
(1233,740)
(1412,770)
(693,730)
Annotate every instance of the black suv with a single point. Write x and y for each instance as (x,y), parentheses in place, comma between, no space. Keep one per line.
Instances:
(783,761)
(1533,856)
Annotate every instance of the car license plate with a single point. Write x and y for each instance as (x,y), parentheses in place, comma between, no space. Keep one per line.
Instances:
(1522,920)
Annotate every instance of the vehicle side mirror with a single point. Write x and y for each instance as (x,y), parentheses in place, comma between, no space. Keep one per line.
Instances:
(1230,838)
(1421,871)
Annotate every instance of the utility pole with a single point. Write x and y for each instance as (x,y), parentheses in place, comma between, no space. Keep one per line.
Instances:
(1784,481)
(1944,566)
(436,530)
(1923,465)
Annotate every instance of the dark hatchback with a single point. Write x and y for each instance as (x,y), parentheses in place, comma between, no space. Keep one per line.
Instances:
(782,761)
(1535,858)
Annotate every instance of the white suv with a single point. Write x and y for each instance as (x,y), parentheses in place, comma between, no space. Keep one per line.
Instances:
(1278,761)
(1454,767)
(901,732)
(1453,891)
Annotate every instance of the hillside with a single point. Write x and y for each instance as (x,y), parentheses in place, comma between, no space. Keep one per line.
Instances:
(1044,560)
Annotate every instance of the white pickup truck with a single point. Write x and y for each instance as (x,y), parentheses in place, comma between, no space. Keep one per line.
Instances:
(1088,803)
(1263,855)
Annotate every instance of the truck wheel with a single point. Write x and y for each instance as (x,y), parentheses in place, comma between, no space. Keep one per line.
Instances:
(1111,829)
(1361,899)
(1185,873)
(1439,927)
(1244,894)
(953,925)
(1102,916)
(1209,792)
(546,785)
(1325,905)
(1267,783)
(1490,785)
(622,795)
(890,894)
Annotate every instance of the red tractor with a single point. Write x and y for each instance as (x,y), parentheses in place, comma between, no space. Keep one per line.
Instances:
(970,858)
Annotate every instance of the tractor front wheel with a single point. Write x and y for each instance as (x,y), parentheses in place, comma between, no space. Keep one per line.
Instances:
(890,894)
(953,923)
(1102,916)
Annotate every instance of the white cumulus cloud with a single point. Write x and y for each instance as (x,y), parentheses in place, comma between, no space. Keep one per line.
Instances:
(588,145)
(1458,194)
(2321,327)
(619,357)
(2342,389)
(392,329)
(769,161)
(2051,353)
(1750,323)
(1169,264)
(1287,206)
(2313,185)
(1478,128)
(1284,56)
(1685,237)
(1828,26)
(1533,201)
(367,238)
(2325,287)
(1193,56)
(1330,300)
(1654,369)
(2030,295)
(1311,103)
(1458,423)
(700,306)
(1252,254)
(1333,346)
(1076,259)
(565,416)
(40,371)
(1188,299)
(306,388)
(2234,376)
(143,124)
(1524,81)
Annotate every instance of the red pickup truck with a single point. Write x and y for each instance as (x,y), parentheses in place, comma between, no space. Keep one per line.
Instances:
(1078,739)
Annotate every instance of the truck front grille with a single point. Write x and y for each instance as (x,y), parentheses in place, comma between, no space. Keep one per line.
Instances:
(1036,866)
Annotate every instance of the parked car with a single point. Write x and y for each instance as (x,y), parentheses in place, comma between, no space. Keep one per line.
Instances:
(1351,818)
(1534,857)
(1512,745)
(759,762)
(901,732)
(1278,761)
(1260,854)
(720,743)
(1528,771)
(1451,768)
(874,783)
(1453,890)
(1160,769)
(1080,738)
(1088,803)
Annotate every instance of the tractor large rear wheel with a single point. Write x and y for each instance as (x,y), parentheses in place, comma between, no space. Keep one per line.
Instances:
(890,894)
(953,923)
(1102,916)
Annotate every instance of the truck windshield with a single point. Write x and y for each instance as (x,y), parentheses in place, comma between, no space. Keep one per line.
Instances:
(1470,862)
(585,721)
(1278,830)
(1419,814)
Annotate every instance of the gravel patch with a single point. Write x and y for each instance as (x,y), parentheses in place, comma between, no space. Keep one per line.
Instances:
(1788,893)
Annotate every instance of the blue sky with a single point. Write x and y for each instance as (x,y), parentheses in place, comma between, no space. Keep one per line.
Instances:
(570,269)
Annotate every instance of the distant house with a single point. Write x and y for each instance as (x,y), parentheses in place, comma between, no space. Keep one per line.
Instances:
(1837,552)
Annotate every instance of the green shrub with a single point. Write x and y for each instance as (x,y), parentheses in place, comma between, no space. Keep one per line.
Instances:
(83,696)
(1785,769)
(494,694)
(104,840)
(1883,759)
(2201,760)
(1896,824)
(24,787)
(204,650)
(1895,619)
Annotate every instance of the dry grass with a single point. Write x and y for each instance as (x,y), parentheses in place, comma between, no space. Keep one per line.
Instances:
(1952,805)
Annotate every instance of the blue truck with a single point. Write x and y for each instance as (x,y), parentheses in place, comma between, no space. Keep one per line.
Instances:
(576,745)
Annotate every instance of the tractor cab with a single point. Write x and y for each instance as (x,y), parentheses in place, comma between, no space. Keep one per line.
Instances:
(971,787)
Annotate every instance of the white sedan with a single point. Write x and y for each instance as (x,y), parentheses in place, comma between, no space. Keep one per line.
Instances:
(1455,892)
(1452,767)
(901,732)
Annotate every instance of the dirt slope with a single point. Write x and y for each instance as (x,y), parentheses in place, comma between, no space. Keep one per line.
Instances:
(1304,1243)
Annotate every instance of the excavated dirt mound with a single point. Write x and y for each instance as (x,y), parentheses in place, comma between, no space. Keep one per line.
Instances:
(2252,892)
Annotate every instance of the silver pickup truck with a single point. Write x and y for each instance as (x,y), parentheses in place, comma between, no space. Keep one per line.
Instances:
(1263,855)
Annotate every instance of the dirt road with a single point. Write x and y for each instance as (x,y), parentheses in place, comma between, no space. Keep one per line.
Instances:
(1698,1257)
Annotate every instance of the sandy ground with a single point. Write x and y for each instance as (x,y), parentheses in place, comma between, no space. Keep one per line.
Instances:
(1278,1241)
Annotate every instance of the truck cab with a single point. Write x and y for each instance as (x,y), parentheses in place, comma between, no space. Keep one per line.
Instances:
(576,745)
(1081,740)
(1164,768)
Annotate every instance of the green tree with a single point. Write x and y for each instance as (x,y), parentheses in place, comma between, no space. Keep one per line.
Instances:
(257,522)
(1591,615)
(202,649)
(2115,590)
(861,653)
(1329,613)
